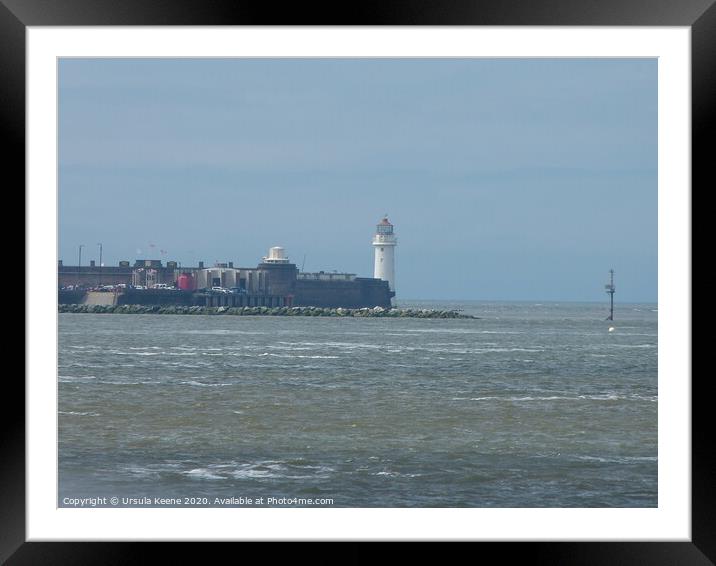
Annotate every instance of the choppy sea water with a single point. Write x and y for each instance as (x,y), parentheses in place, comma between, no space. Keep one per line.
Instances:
(532,405)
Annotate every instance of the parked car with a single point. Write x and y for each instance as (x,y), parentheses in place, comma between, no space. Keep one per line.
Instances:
(219,290)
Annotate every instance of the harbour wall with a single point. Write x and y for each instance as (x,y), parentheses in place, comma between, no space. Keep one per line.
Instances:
(358,293)
(164,297)
(156,297)
(350,294)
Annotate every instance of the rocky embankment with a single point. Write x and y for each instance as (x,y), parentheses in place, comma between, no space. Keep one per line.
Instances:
(264,311)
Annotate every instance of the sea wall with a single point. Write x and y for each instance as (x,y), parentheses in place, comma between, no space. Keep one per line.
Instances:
(100,298)
(349,294)
(357,293)
(68,297)
(377,312)
(156,297)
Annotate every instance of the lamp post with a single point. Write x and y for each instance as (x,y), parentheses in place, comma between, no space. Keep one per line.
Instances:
(79,264)
(99,277)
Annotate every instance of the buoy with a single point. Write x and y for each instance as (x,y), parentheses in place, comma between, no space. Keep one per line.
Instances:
(611,329)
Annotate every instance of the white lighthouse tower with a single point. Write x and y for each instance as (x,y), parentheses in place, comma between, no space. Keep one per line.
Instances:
(384,242)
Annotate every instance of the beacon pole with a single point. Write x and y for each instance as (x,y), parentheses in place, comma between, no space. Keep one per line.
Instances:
(610,290)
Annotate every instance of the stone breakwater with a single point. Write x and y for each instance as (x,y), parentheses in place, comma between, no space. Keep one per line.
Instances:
(263,311)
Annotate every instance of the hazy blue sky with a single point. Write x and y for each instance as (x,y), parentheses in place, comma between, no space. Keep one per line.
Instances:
(505,178)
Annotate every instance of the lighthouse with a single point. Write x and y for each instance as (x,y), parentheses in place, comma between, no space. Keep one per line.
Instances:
(384,242)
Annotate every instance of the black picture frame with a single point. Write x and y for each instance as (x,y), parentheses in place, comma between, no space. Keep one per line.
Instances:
(17,15)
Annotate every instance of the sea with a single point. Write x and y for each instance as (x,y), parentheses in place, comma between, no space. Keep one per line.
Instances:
(529,405)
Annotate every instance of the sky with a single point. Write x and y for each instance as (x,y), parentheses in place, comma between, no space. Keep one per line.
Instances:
(506,179)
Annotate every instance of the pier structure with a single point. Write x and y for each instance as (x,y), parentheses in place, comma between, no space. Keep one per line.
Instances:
(275,282)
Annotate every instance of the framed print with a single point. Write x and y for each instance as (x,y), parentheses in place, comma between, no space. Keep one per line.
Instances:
(480,395)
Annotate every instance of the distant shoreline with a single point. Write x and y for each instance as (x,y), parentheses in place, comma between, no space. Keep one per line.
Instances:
(377,312)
